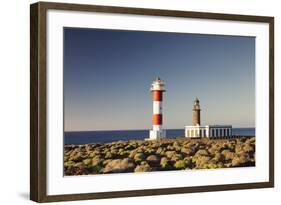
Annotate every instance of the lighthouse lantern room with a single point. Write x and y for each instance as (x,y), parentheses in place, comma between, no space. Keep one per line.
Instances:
(157,89)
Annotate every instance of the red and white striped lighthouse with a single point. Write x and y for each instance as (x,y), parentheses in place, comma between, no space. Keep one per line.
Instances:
(157,89)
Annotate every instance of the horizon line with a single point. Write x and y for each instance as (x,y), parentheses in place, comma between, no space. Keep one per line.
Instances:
(134,129)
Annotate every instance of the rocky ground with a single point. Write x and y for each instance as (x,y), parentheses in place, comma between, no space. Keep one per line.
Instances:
(167,154)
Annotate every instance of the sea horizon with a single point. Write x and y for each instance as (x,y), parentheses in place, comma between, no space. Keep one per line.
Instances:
(147,129)
(107,136)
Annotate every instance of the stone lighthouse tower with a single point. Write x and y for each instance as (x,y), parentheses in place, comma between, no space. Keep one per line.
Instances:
(210,131)
(196,113)
(157,89)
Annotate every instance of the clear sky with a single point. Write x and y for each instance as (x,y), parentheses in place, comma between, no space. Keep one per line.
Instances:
(108,73)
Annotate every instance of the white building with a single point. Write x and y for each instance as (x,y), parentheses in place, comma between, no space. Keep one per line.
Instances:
(210,131)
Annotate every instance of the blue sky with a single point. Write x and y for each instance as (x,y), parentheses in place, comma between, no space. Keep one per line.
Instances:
(108,73)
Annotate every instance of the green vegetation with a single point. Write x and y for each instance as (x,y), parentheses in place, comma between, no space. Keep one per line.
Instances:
(159,155)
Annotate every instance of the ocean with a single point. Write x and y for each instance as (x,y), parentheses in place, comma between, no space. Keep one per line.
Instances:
(87,137)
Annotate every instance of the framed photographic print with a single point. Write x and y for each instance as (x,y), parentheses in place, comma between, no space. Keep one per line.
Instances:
(135,102)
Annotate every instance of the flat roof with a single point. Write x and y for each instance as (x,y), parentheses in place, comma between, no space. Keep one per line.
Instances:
(209,126)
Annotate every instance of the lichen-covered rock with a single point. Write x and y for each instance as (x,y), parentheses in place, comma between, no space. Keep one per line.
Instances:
(213,149)
(97,169)
(164,163)
(170,154)
(228,155)
(153,160)
(144,162)
(187,151)
(251,140)
(108,155)
(133,153)
(180,164)
(231,146)
(119,166)
(248,148)
(80,165)
(201,152)
(76,157)
(188,162)
(238,147)
(96,161)
(69,164)
(124,154)
(240,160)
(170,147)
(139,157)
(88,148)
(87,161)
(150,151)
(94,153)
(177,146)
(164,154)
(176,157)
(211,166)
(161,151)
(218,157)
(201,161)
(130,147)
(143,168)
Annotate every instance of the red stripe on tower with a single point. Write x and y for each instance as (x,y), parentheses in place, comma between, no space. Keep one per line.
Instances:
(157,119)
(157,95)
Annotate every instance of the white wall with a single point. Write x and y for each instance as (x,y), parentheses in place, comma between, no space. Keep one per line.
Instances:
(14,109)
